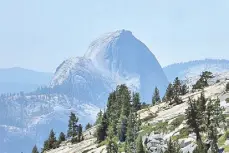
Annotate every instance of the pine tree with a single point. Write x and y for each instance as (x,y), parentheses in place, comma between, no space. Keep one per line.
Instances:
(35,150)
(102,128)
(214,113)
(122,128)
(52,142)
(123,98)
(112,146)
(206,75)
(169,93)
(45,146)
(136,101)
(79,132)
(132,131)
(99,117)
(194,119)
(177,86)
(113,109)
(214,119)
(61,137)
(156,97)
(72,125)
(177,91)
(213,135)
(140,147)
(202,102)
(203,81)
(88,126)
(177,100)
(184,89)
(218,116)
(209,113)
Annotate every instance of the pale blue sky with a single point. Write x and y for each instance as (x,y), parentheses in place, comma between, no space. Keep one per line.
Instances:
(40,34)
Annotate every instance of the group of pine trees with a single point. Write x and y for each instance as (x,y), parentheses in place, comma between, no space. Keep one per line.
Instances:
(120,121)
(205,116)
(174,91)
(74,133)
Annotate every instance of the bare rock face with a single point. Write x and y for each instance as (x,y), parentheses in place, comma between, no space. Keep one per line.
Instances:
(155,143)
(113,59)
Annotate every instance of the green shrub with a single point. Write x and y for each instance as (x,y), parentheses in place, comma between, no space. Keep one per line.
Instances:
(147,129)
(217,81)
(183,134)
(157,128)
(176,122)
(161,127)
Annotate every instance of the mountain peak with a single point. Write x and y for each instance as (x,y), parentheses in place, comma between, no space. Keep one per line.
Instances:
(107,41)
(124,32)
(117,51)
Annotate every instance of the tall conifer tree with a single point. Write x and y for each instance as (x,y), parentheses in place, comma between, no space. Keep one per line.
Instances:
(194,119)
(72,125)
(35,150)
(156,97)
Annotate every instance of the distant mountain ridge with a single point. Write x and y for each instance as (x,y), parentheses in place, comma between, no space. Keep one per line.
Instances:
(189,69)
(16,79)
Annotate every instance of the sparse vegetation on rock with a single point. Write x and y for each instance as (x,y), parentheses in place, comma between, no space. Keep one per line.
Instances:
(203,81)
(119,128)
(176,122)
(208,119)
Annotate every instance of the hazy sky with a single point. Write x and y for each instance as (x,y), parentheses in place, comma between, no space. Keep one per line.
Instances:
(40,34)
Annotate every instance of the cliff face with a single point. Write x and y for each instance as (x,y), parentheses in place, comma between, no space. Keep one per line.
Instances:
(113,59)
